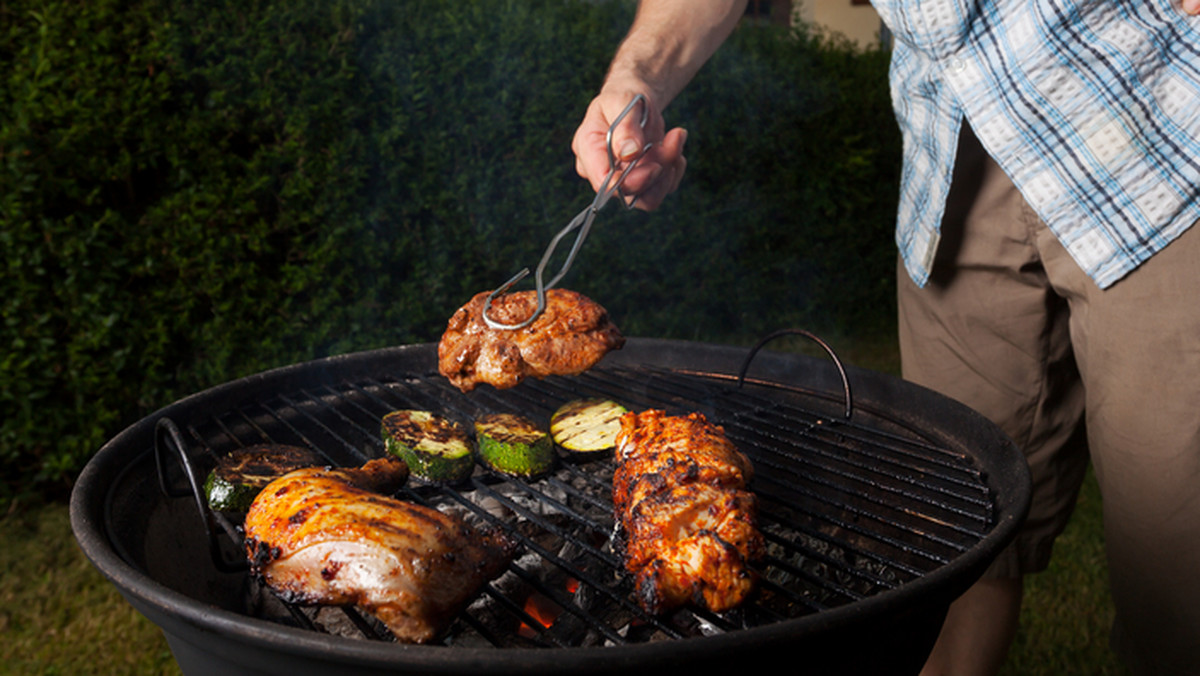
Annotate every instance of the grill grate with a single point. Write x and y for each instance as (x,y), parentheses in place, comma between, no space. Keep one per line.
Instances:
(850,507)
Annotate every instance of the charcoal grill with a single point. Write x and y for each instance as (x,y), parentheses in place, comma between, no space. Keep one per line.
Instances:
(881,502)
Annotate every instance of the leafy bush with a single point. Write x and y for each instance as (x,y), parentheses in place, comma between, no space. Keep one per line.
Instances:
(194,191)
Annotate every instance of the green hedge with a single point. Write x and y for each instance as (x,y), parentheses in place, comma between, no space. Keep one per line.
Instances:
(195,191)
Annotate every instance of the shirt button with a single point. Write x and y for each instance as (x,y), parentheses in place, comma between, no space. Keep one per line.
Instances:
(957,65)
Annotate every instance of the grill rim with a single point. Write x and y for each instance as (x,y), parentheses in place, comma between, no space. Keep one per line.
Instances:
(187,619)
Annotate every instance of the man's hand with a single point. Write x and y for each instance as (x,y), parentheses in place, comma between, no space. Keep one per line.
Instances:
(667,44)
(657,174)
(1191,7)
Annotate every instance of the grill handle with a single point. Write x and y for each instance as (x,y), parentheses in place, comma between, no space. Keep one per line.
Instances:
(167,437)
(811,336)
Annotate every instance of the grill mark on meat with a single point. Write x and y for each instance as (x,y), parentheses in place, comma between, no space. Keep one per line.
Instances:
(330,571)
(260,552)
(301,516)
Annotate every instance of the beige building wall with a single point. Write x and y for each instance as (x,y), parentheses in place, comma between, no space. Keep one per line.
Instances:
(857,21)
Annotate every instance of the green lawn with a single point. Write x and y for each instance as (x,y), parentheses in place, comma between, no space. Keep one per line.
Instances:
(58,615)
(1068,610)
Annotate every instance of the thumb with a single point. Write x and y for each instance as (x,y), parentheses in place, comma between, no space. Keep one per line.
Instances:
(629,137)
(1191,6)
(629,149)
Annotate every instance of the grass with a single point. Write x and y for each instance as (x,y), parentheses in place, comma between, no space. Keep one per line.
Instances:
(1068,611)
(58,615)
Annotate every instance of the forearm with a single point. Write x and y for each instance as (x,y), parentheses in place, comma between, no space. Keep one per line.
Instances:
(668,43)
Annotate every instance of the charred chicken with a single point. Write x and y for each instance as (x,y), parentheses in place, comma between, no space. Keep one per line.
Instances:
(327,536)
(686,525)
(569,337)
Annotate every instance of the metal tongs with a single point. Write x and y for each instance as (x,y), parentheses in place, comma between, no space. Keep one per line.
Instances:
(582,223)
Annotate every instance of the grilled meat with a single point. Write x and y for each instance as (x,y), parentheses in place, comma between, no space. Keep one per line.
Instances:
(686,525)
(322,535)
(569,337)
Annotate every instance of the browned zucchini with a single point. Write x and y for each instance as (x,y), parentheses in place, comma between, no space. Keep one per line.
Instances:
(238,477)
(433,447)
(514,445)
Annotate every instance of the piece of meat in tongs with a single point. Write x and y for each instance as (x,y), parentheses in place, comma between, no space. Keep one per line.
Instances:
(328,536)
(501,337)
(611,185)
(686,523)
(568,337)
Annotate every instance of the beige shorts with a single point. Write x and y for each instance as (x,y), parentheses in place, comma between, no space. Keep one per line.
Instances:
(1009,325)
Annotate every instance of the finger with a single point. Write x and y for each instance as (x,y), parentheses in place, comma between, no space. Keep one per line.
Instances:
(671,149)
(677,173)
(637,128)
(667,181)
(589,145)
(591,163)
(1191,7)
(664,175)
(653,196)
(641,177)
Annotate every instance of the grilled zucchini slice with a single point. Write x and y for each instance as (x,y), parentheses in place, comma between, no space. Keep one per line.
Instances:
(239,476)
(433,447)
(514,445)
(587,425)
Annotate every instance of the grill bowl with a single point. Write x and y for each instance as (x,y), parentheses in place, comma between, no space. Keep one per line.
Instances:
(154,549)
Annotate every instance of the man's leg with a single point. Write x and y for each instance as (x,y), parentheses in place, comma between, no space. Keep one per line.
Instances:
(989,330)
(1138,348)
(979,627)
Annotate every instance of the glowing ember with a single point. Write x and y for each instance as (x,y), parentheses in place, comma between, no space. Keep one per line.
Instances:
(543,611)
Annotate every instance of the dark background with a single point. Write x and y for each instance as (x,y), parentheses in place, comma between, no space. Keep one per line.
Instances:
(194,191)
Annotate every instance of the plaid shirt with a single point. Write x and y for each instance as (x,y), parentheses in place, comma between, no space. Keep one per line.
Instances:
(1092,107)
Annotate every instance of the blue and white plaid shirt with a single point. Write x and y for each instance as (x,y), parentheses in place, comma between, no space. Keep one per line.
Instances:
(1092,107)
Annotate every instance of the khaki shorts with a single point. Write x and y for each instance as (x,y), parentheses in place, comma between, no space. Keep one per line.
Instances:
(1009,325)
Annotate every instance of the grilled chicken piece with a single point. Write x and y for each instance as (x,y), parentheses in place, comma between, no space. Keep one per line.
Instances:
(569,337)
(686,525)
(322,535)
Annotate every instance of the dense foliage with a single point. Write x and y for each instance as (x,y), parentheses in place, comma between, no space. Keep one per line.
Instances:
(193,191)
